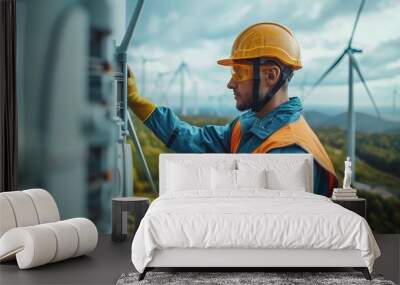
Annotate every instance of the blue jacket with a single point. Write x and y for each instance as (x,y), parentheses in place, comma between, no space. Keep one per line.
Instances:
(183,137)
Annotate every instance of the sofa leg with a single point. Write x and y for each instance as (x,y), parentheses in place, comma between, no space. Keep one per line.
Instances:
(364,271)
(143,274)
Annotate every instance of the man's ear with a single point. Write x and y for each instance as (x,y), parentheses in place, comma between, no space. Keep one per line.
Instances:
(270,74)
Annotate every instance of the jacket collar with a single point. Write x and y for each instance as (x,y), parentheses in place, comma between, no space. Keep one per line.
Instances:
(271,122)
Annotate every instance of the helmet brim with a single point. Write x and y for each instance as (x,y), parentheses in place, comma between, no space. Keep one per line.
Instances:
(225,61)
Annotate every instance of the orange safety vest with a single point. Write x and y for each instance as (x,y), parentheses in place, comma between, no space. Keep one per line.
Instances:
(296,133)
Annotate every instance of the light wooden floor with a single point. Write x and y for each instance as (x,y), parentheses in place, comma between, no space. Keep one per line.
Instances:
(110,260)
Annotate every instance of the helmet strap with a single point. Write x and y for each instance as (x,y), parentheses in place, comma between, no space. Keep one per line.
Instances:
(257,104)
(256,84)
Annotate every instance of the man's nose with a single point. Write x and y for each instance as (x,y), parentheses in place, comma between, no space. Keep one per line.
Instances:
(231,84)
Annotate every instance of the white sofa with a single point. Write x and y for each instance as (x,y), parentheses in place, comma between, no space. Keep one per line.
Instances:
(31,231)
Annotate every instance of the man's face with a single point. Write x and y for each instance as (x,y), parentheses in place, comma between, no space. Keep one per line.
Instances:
(242,84)
(243,93)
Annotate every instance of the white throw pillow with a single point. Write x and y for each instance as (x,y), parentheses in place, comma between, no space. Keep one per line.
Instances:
(282,174)
(228,179)
(223,179)
(251,178)
(291,180)
(181,177)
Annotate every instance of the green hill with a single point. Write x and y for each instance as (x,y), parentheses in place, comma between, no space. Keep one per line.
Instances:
(365,123)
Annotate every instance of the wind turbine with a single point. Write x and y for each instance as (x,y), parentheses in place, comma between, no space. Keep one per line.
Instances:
(145,60)
(194,86)
(159,90)
(180,71)
(353,65)
(213,101)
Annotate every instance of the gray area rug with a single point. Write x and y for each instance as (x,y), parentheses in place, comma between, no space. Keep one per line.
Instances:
(225,278)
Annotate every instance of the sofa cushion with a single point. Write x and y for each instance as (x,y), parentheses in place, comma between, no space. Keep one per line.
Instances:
(27,208)
(7,215)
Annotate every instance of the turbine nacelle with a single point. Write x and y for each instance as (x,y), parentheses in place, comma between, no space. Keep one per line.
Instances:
(354,50)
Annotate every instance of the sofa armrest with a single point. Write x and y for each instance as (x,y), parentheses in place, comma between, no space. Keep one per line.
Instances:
(40,244)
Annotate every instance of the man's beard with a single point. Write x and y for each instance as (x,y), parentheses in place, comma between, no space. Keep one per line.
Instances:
(244,106)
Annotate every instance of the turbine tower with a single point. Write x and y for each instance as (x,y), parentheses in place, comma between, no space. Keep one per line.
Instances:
(394,103)
(353,65)
(196,98)
(302,89)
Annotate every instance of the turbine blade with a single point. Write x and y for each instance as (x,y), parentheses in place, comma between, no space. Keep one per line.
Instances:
(357,68)
(131,27)
(356,22)
(188,72)
(329,69)
(173,78)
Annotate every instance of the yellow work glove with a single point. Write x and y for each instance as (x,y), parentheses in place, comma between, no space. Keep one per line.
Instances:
(139,105)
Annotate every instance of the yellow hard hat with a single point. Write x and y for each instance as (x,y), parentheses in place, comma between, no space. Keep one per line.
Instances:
(269,40)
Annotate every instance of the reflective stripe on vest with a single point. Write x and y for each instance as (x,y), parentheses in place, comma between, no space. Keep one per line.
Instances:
(296,133)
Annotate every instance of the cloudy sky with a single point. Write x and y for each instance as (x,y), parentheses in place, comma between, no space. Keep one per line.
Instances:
(201,32)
